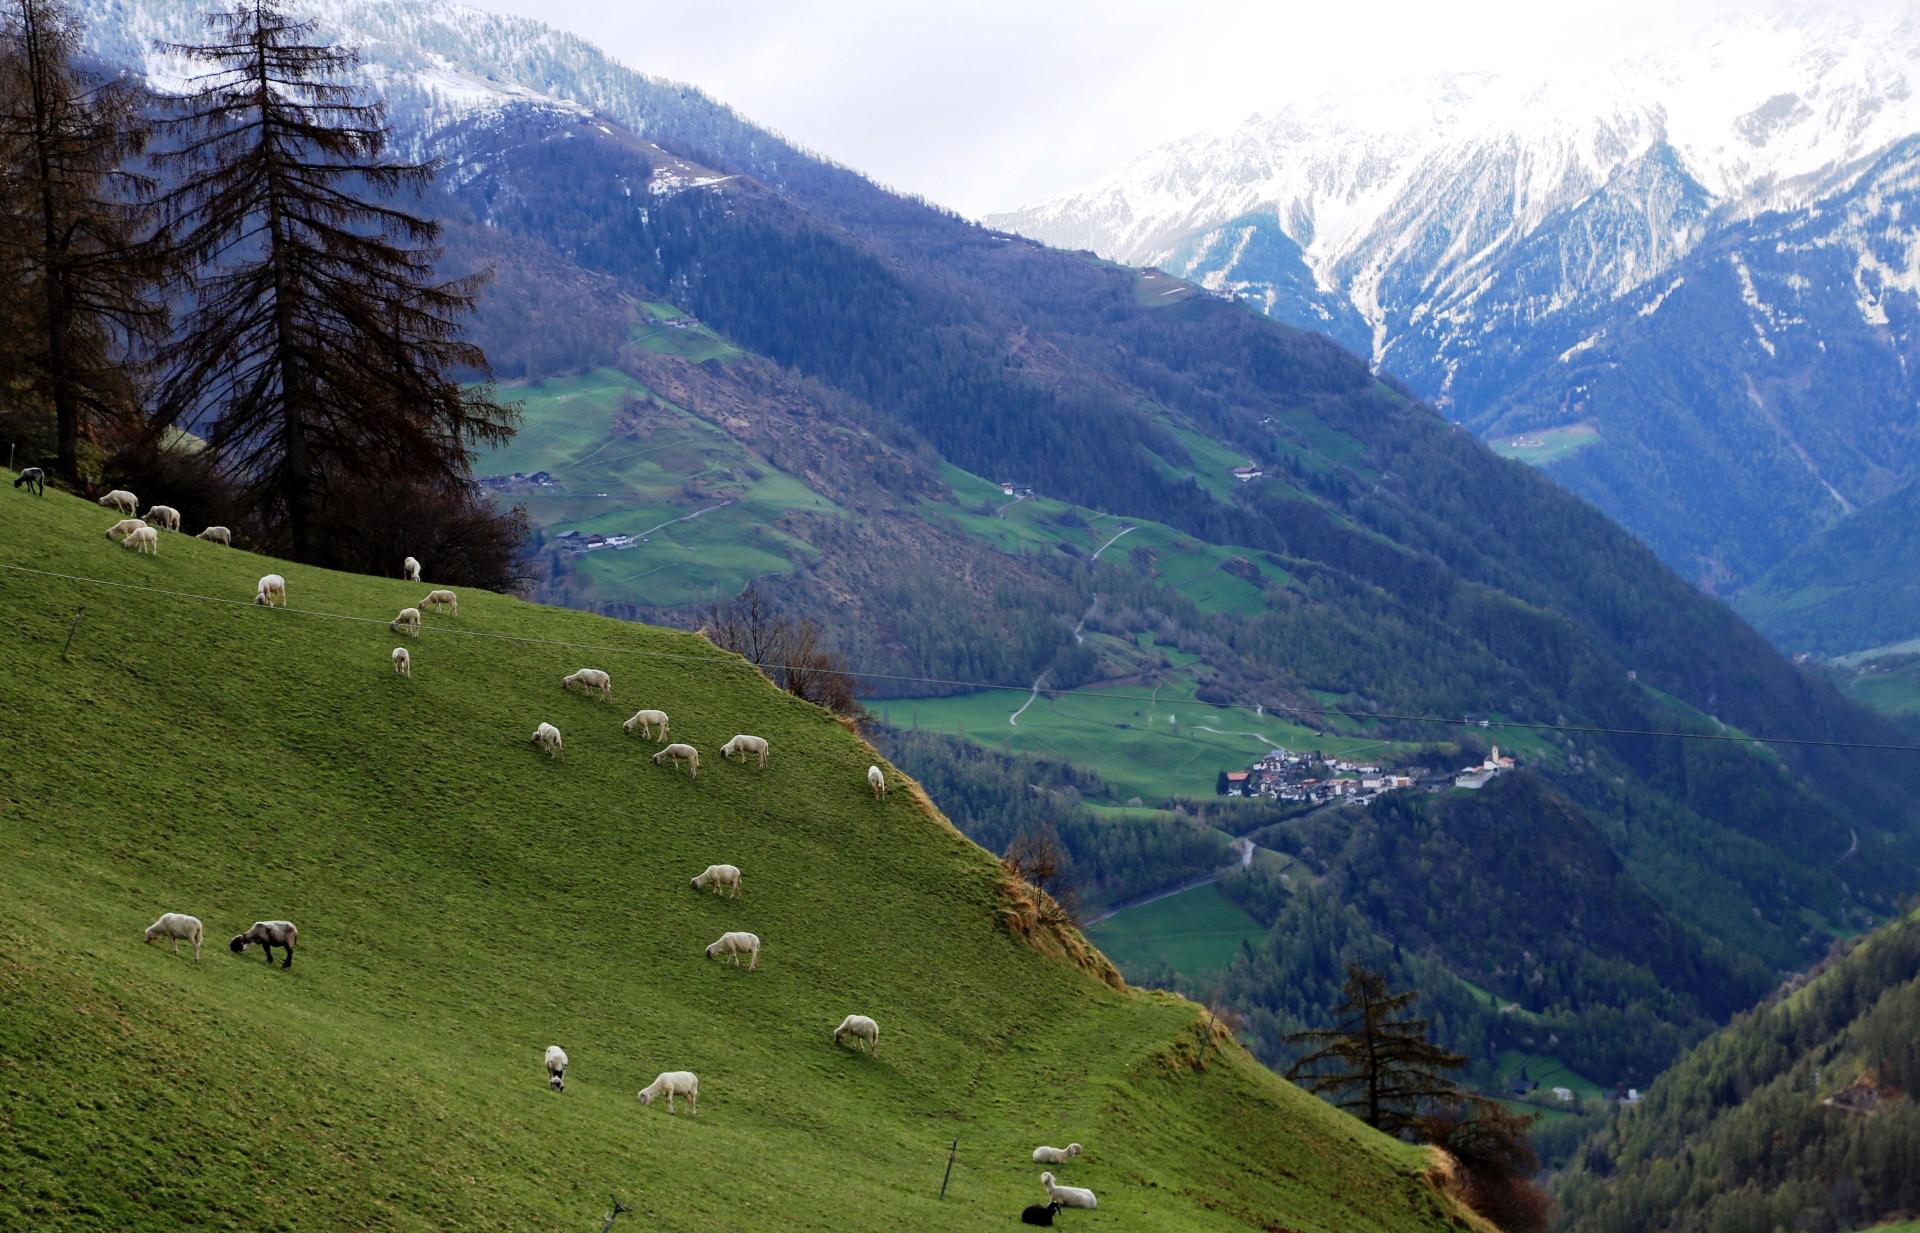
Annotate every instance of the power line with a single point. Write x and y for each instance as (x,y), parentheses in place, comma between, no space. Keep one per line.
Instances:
(1049,691)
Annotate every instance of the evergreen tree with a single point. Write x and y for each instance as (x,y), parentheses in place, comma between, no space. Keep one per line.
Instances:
(319,340)
(1383,1066)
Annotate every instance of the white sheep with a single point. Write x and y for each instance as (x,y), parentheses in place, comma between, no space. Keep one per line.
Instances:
(650,723)
(164,517)
(177,927)
(1068,1196)
(590,679)
(123,501)
(674,1083)
(144,540)
(734,945)
(556,1068)
(860,1028)
(402,662)
(1056,1155)
(547,737)
(878,782)
(272,591)
(744,745)
(442,599)
(681,753)
(720,877)
(217,535)
(411,568)
(123,528)
(408,623)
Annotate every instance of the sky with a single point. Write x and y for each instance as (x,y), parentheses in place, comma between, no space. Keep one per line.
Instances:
(992,104)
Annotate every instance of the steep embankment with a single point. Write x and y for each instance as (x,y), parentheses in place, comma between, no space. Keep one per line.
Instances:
(464,901)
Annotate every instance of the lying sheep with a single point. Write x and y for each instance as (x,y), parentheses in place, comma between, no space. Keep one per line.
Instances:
(411,569)
(1068,1196)
(556,1068)
(547,737)
(408,623)
(442,599)
(272,591)
(402,662)
(734,945)
(124,528)
(267,934)
(123,501)
(143,540)
(878,782)
(674,1083)
(860,1028)
(34,480)
(681,753)
(1056,1155)
(178,927)
(650,723)
(164,517)
(590,679)
(744,745)
(720,877)
(217,535)
(1035,1213)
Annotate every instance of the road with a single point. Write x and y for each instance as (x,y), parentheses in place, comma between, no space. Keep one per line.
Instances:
(1246,859)
(1013,720)
(683,518)
(1110,543)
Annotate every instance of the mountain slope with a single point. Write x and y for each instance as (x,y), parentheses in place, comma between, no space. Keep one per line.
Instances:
(464,901)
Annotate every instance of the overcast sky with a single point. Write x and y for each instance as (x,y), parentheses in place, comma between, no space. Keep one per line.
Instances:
(990,104)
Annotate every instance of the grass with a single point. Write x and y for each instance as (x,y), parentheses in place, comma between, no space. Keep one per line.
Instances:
(1542,446)
(1196,932)
(1889,683)
(464,901)
(1549,1072)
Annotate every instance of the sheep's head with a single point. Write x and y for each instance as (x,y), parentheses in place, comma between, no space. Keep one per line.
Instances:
(149,935)
(259,597)
(238,944)
(1074,1149)
(696,882)
(711,949)
(646,1096)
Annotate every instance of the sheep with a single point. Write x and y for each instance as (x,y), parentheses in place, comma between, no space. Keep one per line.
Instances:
(878,782)
(411,569)
(217,535)
(720,877)
(177,926)
(1056,1155)
(733,945)
(1068,1196)
(650,723)
(163,517)
(1035,1213)
(267,934)
(34,480)
(681,753)
(556,1068)
(674,1083)
(441,599)
(744,745)
(547,737)
(272,591)
(145,540)
(123,528)
(408,623)
(402,662)
(860,1028)
(123,501)
(590,679)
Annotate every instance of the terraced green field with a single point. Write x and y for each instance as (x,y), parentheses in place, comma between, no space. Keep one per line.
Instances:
(1197,932)
(1543,446)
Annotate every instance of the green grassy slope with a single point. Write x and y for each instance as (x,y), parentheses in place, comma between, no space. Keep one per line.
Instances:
(464,902)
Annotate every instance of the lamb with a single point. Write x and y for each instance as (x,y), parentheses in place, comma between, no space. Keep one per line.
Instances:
(674,1083)
(1056,1155)
(267,934)
(123,528)
(123,501)
(860,1028)
(744,745)
(1068,1196)
(650,723)
(408,623)
(720,877)
(272,591)
(1035,1213)
(34,480)
(178,927)
(590,679)
(442,599)
(878,782)
(217,535)
(164,517)
(144,540)
(410,568)
(734,945)
(547,737)
(402,662)
(556,1068)
(681,753)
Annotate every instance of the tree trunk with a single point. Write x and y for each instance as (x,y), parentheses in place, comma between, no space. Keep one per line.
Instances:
(66,411)
(296,470)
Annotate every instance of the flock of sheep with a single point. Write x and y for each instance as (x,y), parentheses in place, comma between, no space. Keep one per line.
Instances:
(141,534)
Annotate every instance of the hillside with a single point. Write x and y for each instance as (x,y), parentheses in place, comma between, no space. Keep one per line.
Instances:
(463,902)
(1849,589)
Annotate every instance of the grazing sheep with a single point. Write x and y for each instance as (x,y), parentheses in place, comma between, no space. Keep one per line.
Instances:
(674,1083)
(650,723)
(720,877)
(681,753)
(590,679)
(1035,1213)
(144,540)
(34,480)
(442,599)
(1056,1155)
(177,927)
(411,568)
(734,945)
(164,517)
(744,745)
(1068,1196)
(402,662)
(267,934)
(217,535)
(556,1068)
(123,501)
(547,737)
(860,1028)
(878,782)
(408,623)
(124,528)
(272,591)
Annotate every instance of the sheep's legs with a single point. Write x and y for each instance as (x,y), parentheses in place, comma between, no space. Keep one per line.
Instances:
(268,947)
(289,962)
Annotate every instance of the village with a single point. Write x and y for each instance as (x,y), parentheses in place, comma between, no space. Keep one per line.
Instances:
(1315,778)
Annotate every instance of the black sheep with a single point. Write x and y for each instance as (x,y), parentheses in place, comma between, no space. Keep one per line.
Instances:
(1039,1214)
(34,480)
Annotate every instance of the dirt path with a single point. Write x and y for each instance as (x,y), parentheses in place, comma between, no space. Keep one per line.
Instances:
(1013,720)
(683,518)
(1110,543)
